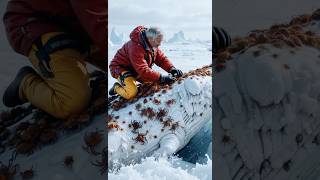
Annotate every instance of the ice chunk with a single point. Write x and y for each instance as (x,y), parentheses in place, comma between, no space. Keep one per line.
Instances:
(192,86)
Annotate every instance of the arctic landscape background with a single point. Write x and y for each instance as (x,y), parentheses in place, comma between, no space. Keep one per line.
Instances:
(194,18)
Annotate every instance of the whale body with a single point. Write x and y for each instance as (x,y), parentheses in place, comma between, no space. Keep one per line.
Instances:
(266,106)
(161,123)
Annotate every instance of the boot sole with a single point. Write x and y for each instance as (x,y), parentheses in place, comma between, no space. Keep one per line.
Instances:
(111,91)
(11,95)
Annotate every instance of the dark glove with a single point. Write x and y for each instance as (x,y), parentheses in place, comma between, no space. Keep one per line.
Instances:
(221,39)
(176,72)
(167,79)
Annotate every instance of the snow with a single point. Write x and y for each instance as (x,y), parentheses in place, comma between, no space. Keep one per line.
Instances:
(164,169)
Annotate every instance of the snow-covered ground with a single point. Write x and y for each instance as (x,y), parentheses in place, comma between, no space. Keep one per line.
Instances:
(162,169)
(185,56)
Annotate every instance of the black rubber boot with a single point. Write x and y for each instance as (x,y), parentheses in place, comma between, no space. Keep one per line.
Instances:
(11,95)
(221,39)
(112,92)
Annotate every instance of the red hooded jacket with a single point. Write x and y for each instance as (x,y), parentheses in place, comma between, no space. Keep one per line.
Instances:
(138,57)
(26,20)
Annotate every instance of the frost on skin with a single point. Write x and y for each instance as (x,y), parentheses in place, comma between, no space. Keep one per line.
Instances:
(266,104)
(160,125)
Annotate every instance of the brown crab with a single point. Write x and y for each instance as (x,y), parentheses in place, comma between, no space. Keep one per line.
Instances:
(161,113)
(27,174)
(174,126)
(170,102)
(25,147)
(141,138)
(148,112)
(92,140)
(156,101)
(113,125)
(68,161)
(167,123)
(48,136)
(135,125)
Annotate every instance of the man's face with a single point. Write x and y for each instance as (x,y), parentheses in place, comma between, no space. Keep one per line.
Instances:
(156,42)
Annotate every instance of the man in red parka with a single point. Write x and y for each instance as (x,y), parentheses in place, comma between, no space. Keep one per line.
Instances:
(133,62)
(58,37)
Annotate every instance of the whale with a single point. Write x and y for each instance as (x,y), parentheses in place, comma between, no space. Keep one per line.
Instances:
(161,123)
(266,104)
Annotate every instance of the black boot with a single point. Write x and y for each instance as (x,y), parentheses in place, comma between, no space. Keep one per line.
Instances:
(221,39)
(112,91)
(11,95)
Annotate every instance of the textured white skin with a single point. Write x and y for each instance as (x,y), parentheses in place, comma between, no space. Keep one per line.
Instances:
(263,107)
(192,86)
(191,109)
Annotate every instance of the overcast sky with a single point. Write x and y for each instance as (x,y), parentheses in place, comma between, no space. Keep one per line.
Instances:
(194,18)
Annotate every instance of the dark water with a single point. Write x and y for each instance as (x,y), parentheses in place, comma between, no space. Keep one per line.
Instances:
(195,151)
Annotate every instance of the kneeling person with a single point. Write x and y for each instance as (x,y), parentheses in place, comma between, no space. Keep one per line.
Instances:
(133,62)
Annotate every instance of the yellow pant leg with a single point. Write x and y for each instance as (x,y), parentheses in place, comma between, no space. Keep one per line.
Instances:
(129,88)
(68,92)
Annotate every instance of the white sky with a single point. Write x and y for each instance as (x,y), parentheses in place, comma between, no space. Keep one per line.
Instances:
(194,18)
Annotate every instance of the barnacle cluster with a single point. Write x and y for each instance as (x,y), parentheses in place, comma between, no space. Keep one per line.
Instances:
(41,128)
(291,34)
(149,89)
